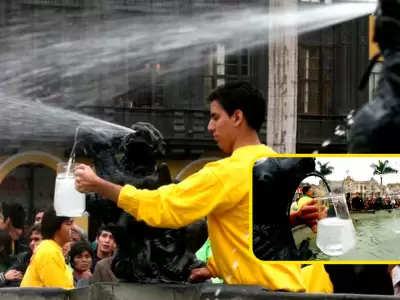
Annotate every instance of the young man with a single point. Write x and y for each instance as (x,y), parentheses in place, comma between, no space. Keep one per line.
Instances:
(12,219)
(22,260)
(307,196)
(105,246)
(219,191)
(48,267)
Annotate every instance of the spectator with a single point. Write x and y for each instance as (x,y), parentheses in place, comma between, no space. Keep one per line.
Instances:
(5,273)
(105,245)
(22,260)
(78,234)
(13,219)
(39,216)
(80,258)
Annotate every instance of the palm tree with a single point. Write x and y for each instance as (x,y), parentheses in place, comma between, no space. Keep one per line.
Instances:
(324,169)
(383,168)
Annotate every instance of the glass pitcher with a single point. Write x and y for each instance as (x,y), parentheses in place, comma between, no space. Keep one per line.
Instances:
(336,234)
(68,202)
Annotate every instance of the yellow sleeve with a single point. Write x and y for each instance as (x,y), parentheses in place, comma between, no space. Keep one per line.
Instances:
(178,205)
(53,274)
(212,267)
(302,201)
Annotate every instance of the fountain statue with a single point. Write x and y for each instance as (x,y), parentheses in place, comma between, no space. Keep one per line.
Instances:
(378,122)
(275,181)
(145,254)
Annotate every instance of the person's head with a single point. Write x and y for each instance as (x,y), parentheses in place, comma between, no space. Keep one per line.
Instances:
(56,228)
(81,256)
(77,234)
(12,219)
(105,240)
(307,190)
(357,194)
(237,112)
(39,216)
(34,236)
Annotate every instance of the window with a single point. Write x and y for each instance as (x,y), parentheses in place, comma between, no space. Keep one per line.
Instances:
(146,88)
(221,67)
(315,80)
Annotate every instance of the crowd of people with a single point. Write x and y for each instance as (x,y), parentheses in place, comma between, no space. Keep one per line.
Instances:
(59,254)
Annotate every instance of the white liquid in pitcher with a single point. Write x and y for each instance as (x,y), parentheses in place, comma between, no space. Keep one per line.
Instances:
(336,236)
(68,202)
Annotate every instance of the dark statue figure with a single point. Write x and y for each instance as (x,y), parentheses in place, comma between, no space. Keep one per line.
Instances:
(145,254)
(378,122)
(275,181)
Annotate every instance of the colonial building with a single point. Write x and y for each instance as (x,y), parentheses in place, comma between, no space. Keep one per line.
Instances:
(330,64)
(367,189)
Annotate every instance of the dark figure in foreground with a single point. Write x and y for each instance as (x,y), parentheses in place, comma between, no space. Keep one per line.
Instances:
(145,254)
(378,122)
(275,181)
(360,279)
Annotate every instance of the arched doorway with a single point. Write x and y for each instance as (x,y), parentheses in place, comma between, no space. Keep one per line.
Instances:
(31,185)
(28,178)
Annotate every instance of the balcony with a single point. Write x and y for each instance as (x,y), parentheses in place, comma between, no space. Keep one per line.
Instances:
(180,128)
(315,129)
(185,131)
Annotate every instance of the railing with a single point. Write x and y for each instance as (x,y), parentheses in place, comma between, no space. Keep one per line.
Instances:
(173,291)
(179,126)
(316,129)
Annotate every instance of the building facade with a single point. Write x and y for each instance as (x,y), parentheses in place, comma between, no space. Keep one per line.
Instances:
(330,64)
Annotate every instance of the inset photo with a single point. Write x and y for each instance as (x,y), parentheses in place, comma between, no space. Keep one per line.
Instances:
(326,209)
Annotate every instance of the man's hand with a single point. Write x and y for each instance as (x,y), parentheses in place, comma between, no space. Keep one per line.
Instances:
(309,215)
(13,275)
(86,180)
(200,274)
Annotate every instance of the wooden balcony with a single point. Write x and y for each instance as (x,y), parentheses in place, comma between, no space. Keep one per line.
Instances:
(313,130)
(184,130)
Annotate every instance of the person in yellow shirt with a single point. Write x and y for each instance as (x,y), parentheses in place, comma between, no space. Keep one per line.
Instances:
(307,196)
(48,267)
(219,191)
(316,279)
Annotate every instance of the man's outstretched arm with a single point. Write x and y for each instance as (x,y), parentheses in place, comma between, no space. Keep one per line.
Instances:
(170,206)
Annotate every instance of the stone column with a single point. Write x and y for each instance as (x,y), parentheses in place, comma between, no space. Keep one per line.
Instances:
(282,82)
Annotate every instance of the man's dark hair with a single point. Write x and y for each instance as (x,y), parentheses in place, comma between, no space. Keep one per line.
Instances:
(306,189)
(78,248)
(109,228)
(51,223)
(15,212)
(39,210)
(34,228)
(241,96)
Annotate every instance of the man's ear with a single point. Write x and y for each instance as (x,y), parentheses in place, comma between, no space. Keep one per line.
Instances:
(237,117)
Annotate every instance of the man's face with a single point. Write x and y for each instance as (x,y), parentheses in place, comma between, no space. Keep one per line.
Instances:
(34,240)
(309,193)
(105,242)
(14,233)
(64,233)
(75,234)
(82,262)
(38,217)
(222,127)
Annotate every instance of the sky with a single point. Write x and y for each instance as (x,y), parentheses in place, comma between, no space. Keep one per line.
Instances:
(358,168)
